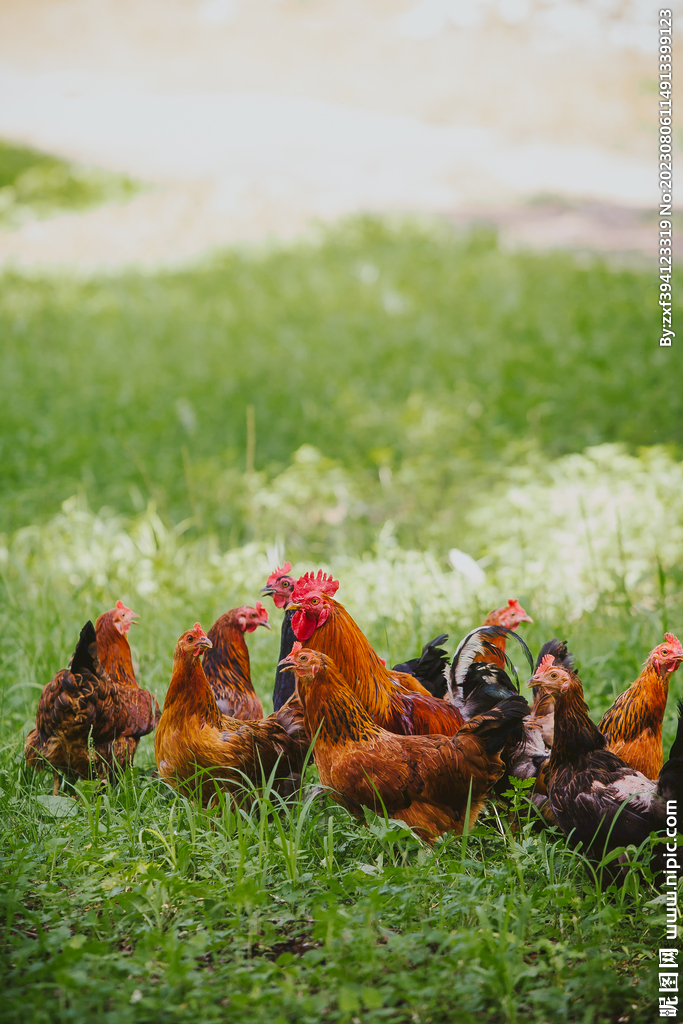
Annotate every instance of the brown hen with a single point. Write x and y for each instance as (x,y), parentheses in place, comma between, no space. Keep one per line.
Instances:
(227,665)
(91,716)
(199,750)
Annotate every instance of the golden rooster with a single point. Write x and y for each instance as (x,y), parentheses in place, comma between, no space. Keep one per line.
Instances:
(91,716)
(227,665)
(200,750)
(426,781)
(395,700)
(633,725)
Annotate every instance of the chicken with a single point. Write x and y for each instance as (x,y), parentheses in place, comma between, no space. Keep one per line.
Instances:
(426,781)
(394,700)
(542,717)
(115,658)
(280,586)
(430,668)
(199,750)
(226,663)
(91,716)
(633,725)
(595,797)
(510,616)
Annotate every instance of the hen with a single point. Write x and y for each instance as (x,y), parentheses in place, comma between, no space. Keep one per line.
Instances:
(394,700)
(227,665)
(199,750)
(425,781)
(91,716)
(633,725)
(115,658)
(280,586)
(595,797)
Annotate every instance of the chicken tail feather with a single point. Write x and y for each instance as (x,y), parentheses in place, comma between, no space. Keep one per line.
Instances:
(82,658)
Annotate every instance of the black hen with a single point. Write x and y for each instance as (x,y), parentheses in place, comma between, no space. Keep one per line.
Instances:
(430,668)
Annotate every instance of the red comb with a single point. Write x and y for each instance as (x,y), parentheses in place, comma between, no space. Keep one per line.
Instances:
(322,584)
(261,609)
(278,573)
(547,662)
(296,647)
(198,629)
(670,638)
(120,607)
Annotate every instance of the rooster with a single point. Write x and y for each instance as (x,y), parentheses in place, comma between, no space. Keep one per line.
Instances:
(280,586)
(633,725)
(426,781)
(226,663)
(395,700)
(595,797)
(91,716)
(198,749)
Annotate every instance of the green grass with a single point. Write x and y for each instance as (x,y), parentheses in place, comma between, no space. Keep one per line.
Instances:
(435,357)
(35,185)
(413,391)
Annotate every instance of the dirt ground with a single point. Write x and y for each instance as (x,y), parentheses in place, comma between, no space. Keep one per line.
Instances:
(250,119)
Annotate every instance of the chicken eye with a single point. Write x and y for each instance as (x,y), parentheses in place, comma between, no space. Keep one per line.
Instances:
(190,638)
(314,601)
(665,650)
(286,584)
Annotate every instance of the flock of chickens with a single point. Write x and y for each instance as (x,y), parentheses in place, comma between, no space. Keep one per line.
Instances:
(424,741)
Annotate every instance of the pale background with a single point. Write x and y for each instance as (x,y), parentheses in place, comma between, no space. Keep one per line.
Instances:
(250,118)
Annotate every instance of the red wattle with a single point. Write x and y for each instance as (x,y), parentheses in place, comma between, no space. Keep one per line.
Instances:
(303,627)
(279,600)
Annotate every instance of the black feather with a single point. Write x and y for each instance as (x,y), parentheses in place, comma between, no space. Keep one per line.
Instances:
(558,649)
(429,669)
(284,680)
(480,641)
(82,658)
(670,781)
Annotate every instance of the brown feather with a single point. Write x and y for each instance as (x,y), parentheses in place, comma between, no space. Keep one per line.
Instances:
(633,724)
(382,693)
(228,669)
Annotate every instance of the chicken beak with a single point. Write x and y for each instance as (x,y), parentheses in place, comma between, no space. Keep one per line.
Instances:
(527,618)
(204,643)
(286,664)
(267,590)
(533,682)
(293,607)
(266,624)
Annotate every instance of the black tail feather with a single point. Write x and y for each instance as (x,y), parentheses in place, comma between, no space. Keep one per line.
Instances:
(501,722)
(82,658)
(429,669)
